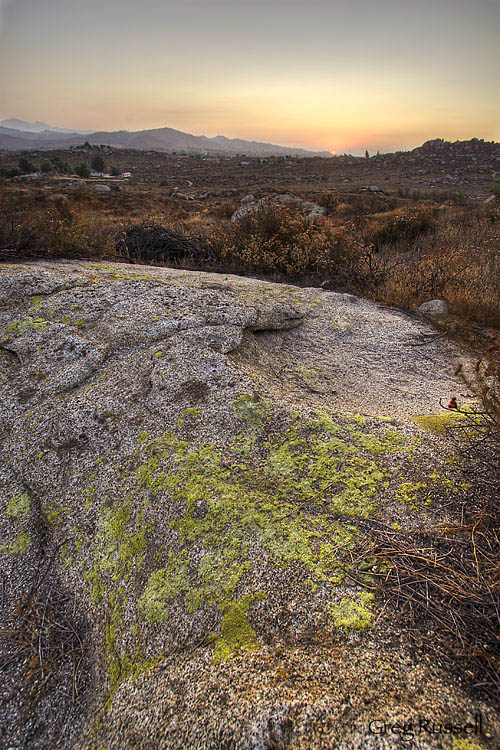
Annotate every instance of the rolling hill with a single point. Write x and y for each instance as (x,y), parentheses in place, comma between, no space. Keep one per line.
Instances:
(14,137)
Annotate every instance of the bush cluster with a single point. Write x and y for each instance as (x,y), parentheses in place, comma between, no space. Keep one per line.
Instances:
(396,257)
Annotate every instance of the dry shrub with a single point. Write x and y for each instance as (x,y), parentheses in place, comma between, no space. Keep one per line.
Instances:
(399,257)
(445,580)
(33,228)
(277,242)
(224,209)
(458,261)
(405,226)
(155,243)
(402,259)
(82,236)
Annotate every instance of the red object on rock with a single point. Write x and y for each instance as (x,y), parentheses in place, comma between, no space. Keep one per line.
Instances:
(452,403)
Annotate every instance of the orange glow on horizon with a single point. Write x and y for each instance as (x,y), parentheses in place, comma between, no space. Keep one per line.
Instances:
(410,72)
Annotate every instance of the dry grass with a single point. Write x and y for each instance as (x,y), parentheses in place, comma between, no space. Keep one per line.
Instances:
(34,227)
(444,581)
(459,260)
(398,254)
(280,244)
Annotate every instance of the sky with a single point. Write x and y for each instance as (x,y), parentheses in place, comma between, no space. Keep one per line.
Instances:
(340,75)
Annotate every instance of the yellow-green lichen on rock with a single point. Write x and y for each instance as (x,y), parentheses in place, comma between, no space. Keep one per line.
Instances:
(465,744)
(249,409)
(236,631)
(439,423)
(293,502)
(308,466)
(298,501)
(118,554)
(19,506)
(351,615)
(163,586)
(18,327)
(412,494)
(19,545)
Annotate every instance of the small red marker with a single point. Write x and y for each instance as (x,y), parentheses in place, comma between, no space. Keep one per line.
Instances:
(452,403)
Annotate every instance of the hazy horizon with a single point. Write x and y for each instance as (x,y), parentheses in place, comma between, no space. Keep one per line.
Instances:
(333,76)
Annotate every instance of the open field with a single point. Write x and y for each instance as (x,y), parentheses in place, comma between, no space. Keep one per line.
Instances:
(399,228)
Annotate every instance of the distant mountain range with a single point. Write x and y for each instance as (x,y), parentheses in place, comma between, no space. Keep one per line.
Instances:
(37,127)
(18,135)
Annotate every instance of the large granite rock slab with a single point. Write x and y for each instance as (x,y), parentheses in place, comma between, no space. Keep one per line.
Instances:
(192,459)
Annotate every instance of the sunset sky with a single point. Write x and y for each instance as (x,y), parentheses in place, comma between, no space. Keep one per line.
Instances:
(331,74)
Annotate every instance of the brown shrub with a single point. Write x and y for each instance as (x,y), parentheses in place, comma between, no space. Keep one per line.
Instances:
(405,226)
(282,244)
(399,257)
(31,227)
(458,261)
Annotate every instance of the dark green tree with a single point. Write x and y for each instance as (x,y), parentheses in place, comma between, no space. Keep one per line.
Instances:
(9,172)
(60,166)
(26,166)
(46,167)
(82,170)
(97,163)
(495,190)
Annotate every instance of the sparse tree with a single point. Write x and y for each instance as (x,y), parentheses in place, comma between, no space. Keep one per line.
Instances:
(82,170)
(46,167)
(60,166)
(97,163)
(26,166)
(367,155)
(8,172)
(495,190)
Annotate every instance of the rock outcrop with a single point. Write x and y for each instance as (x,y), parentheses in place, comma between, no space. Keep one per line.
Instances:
(436,309)
(251,206)
(192,460)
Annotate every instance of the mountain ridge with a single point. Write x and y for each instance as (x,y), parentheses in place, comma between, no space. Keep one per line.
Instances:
(161,139)
(37,127)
